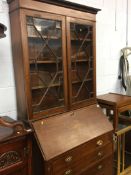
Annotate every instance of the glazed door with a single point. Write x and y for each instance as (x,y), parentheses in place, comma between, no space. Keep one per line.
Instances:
(81,61)
(46,53)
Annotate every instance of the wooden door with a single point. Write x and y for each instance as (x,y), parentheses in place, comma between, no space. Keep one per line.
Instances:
(81,61)
(46,65)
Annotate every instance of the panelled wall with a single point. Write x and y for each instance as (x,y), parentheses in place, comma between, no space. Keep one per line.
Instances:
(110,38)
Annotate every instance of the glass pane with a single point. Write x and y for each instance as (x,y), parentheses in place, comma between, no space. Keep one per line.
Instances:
(81,62)
(46,65)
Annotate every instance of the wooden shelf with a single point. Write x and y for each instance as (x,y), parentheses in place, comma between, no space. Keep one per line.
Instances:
(36,105)
(81,39)
(81,55)
(42,86)
(57,38)
(60,60)
(45,61)
(45,37)
(77,81)
(78,60)
(37,73)
(57,84)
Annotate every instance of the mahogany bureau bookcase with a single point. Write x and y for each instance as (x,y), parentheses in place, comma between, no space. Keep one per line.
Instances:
(53,44)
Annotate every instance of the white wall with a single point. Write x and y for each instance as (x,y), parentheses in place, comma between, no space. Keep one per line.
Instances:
(7,87)
(111,37)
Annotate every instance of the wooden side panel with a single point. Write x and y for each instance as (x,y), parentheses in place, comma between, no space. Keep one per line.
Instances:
(18,65)
(17,153)
(94,55)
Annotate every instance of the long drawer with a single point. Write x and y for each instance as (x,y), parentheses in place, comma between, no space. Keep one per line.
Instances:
(78,162)
(95,149)
(103,167)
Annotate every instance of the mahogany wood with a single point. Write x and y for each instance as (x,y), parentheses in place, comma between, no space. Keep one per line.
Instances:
(15,148)
(69,4)
(46,7)
(116,102)
(62,142)
(93,99)
(74,126)
(21,55)
(78,138)
(104,167)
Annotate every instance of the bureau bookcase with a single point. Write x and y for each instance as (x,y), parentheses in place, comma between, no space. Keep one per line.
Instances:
(54,45)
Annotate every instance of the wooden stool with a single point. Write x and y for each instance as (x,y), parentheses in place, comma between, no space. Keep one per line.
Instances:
(115,103)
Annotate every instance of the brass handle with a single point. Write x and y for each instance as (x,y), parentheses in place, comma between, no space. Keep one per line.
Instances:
(100,154)
(72,114)
(99,167)
(68,172)
(68,159)
(100,142)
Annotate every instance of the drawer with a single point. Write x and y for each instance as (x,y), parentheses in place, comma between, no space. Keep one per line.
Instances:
(81,151)
(80,161)
(104,167)
(13,153)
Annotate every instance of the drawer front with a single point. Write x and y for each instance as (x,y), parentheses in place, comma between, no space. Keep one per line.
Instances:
(95,149)
(83,162)
(13,153)
(104,167)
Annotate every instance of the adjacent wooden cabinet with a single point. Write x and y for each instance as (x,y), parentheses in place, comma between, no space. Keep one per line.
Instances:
(15,148)
(53,45)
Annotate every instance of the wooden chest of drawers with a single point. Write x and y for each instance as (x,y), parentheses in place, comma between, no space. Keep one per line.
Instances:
(71,144)
(87,156)
(15,149)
